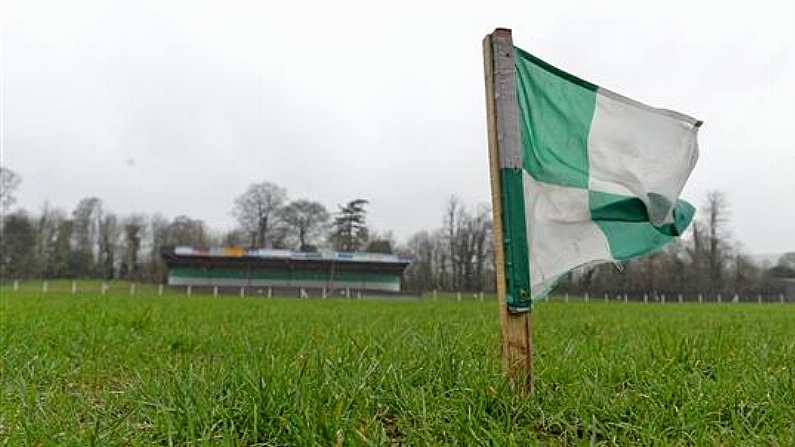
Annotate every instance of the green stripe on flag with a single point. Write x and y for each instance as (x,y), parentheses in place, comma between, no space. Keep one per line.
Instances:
(555,114)
(517,264)
(625,222)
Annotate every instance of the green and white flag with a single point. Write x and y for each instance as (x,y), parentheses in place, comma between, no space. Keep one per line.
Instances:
(600,176)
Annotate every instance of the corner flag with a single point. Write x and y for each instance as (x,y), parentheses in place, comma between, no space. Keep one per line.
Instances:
(597,179)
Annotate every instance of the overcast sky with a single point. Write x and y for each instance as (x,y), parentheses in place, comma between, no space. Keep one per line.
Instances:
(177,106)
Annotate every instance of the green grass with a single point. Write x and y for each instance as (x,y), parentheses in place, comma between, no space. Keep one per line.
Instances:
(87,369)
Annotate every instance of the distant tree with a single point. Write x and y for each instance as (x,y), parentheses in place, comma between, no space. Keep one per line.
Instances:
(256,211)
(87,217)
(479,229)
(451,214)
(133,227)
(381,243)
(744,272)
(458,256)
(467,240)
(787,260)
(158,230)
(9,182)
(108,241)
(785,268)
(63,261)
(717,215)
(53,243)
(17,247)
(379,246)
(421,274)
(698,256)
(305,220)
(186,231)
(350,231)
(234,238)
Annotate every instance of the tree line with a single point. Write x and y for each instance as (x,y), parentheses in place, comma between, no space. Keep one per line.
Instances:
(91,241)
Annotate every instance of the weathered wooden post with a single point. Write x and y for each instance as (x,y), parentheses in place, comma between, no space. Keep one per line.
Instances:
(44,287)
(505,159)
(189,291)
(132,289)
(242,292)
(270,292)
(458,296)
(160,290)
(104,288)
(700,298)
(586,297)
(215,291)
(74,287)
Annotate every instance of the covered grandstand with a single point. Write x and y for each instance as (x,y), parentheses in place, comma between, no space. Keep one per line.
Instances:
(285,270)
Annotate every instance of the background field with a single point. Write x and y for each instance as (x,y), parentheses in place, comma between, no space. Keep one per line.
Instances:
(118,369)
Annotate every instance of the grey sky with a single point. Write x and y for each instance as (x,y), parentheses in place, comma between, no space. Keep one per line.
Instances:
(176,106)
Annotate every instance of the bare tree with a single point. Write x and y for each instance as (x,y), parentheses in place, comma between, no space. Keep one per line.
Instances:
(441,259)
(54,252)
(186,231)
(9,182)
(480,234)
(133,227)
(421,274)
(458,256)
(717,215)
(158,232)
(87,217)
(697,254)
(745,273)
(108,241)
(305,219)
(451,214)
(256,211)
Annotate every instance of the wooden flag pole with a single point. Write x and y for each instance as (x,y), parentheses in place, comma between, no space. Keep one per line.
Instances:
(504,140)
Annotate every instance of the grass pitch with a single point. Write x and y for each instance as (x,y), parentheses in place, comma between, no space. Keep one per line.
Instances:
(87,369)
